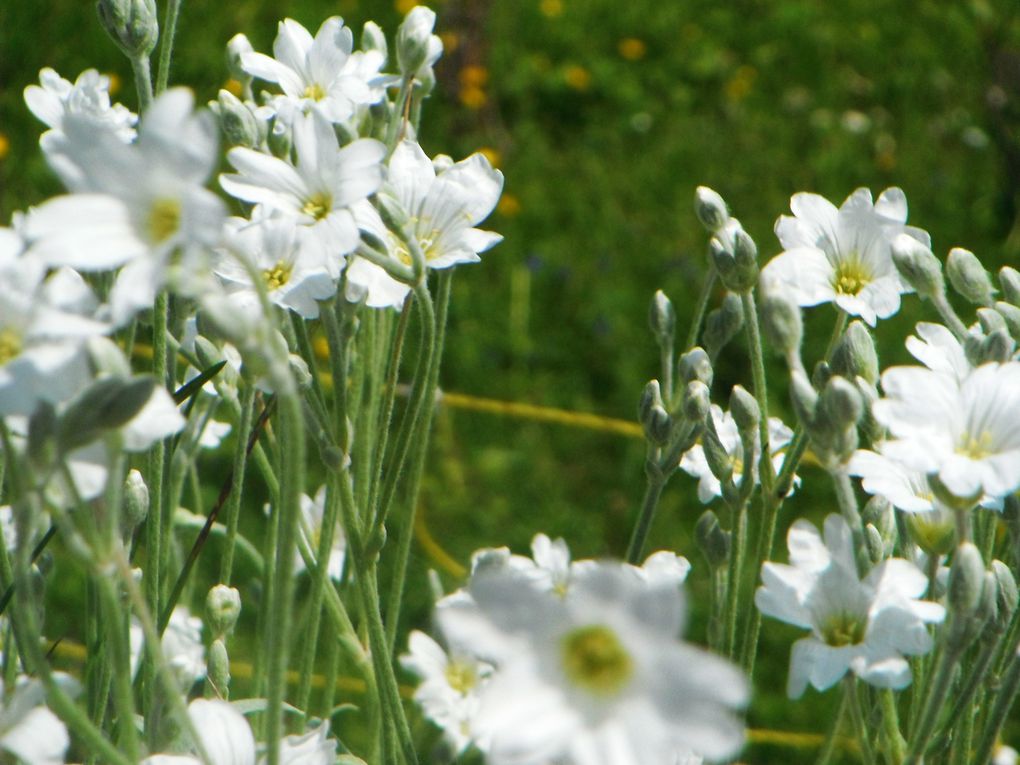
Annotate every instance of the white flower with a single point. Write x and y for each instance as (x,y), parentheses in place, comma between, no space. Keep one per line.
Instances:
(45,322)
(28,729)
(312,511)
(134,204)
(595,677)
(225,735)
(182,645)
(866,626)
(695,463)
(88,97)
(844,256)
(324,73)
(966,431)
(449,690)
(318,191)
(939,350)
(1005,755)
(295,276)
(309,748)
(444,201)
(417,48)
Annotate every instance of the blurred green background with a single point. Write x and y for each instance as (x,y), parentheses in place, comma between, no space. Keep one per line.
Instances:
(604,117)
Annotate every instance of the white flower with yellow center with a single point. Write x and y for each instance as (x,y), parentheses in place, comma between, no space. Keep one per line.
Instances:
(965,431)
(134,205)
(844,256)
(317,192)
(864,626)
(294,274)
(323,73)
(595,677)
(444,201)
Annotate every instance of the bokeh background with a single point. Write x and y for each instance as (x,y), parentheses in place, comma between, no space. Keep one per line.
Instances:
(604,117)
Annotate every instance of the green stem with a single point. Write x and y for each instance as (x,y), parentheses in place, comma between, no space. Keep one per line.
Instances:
(847,501)
(655,482)
(829,746)
(891,722)
(242,434)
(754,344)
(1004,699)
(857,715)
(166,45)
(701,307)
(920,737)
(735,577)
(117,633)
(143,81)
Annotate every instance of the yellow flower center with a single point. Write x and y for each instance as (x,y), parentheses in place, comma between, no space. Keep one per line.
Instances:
(977,447)
(10,344)
(851,277)
(594,659)
(164,219)
(843,629)
(278,275)
(461,676)
(318,205)
(315,92)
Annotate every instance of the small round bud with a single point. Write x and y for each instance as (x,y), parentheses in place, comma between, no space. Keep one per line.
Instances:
(918,266)
(968,277)
(966,579)
(131,23)
(413,40)
(373,39)
(990,320)
(1007,591)
(722,259)
(841,402)
(1011,316)
(718,459)
(695,365)
(855,355)
(1009,281)
(223,607)
(879,512)
(744,409)
(136,500)
(875,544)
(655,420)
(782,322)
(998,347)
(662,318)
(712,540)
(237,47)
(723,323)
(696,401)
(745,259)
(239,125)
(710,208)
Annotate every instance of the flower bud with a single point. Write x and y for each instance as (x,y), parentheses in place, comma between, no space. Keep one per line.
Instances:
(1009,281)
(136,500)
(804,397)
(662,318)
(966,580)
(718,459)
(1011,317)
(217,679)
(841,402)
(990,320)
(744,409)
(918,266)
(722,259)
(988,605)
(713,542)
(998,347)
(280,138)
(933,531)
(373,39)
(855,355)
(781,320)
(745,258)
(131,23)
(42,436)
(710,208)
(300,371)
(695,365)
(239,126)
(968,277)
(723,323)
(413,40)
(222,606)
(1008,595)
(237,47)
(696,402)
(879,512)
(107,404)
(655,420)
(875,545)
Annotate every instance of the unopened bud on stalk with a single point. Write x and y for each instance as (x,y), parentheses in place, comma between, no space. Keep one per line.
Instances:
(998,347)
(374,39)
(990,320)
(713,542)
(217,671)
(804,397)
(695,365)
(918,266)
(237,46)
(696,401)
(662,318)
(934,531)
(718,459)
(1009,280)
(131,23)
(238,123)
(710,208)
(723,323)
(223,607)
(841,402)
(1008,596)
(969,277)
(413,40)
(1011,316)
(855,355)
(136,500)
(744,409)
(107,404)
(988,606)
(745,258)
(655,420)
(966,580)
(879,512)
(782,322)
(280,138)
(299,369)
(875,545)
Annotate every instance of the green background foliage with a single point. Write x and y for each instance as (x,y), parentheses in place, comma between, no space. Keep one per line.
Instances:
(604,117)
